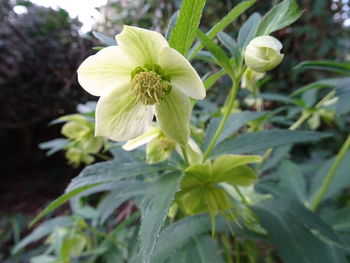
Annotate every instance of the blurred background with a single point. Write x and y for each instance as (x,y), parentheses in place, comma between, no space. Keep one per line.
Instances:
(42,43)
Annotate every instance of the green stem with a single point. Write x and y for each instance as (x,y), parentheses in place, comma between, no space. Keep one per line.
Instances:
(327,181)
(244,200)
(230,104)
(237,254)
(184,153)
(295,126)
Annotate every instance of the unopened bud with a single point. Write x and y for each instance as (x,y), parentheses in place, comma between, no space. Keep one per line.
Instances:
(263,53)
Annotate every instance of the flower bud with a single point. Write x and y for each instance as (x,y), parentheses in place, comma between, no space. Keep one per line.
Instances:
(263,53)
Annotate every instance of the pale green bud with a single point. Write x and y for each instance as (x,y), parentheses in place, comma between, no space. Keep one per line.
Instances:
(263,53)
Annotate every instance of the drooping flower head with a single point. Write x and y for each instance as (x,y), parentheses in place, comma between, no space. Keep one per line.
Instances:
(140,78)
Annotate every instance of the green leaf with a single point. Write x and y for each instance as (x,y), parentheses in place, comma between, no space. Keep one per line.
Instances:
(248,30)
(231,45)
(331,66)
(277,155)
(340,181)
(171,24)
(60,201)
(210,81)
(179,234)
(280,16)
(299,235)
(185,30)
(231,169)
(339,220)
(43,230)
(112,171)
(105,39)
(154,209)
(208,250)
(324,83)
(262,140)
(224,22)
(53,146)
(123,192)
(217,52)
(234,123)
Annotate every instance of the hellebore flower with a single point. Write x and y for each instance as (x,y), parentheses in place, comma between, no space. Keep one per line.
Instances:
(140,78)
(263,53)
(81,140)
(160,147)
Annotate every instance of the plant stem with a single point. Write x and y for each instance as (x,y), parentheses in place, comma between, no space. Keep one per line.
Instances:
(183,150)
(237,254)
(327,181)
(230,103)
(296,125)
(244,200)
(103,156)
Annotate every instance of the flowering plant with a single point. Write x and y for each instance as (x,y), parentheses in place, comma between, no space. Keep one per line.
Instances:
(221,171)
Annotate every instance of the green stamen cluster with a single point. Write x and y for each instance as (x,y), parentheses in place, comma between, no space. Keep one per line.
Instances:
(166,144)
(150,84)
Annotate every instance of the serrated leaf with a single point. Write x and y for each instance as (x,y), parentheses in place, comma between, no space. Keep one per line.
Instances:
(234,123)
(224,22)
(295,221)
(185,29)
(248,30)
(280,16)
(154,209)
(112,171)
(105,39)
(262,140)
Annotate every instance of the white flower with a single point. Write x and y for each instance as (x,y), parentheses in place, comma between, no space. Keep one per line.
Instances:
(140,78)
(263,53)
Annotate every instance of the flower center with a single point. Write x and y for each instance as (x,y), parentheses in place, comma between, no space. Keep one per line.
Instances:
(166,144)
(149,85)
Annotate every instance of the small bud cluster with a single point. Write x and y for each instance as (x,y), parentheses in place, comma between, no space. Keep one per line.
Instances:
(149,86)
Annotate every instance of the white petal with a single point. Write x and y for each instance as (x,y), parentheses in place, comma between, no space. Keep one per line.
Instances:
(120,117)
(173,116)
(108,69)
(142,139)
(144,44)
(183,76)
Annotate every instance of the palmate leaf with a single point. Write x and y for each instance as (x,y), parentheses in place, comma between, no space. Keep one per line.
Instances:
(154,209)
(185,29)
(280,16)
(299,235)
(262,140)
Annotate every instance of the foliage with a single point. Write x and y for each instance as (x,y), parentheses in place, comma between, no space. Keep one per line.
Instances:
(249,178)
